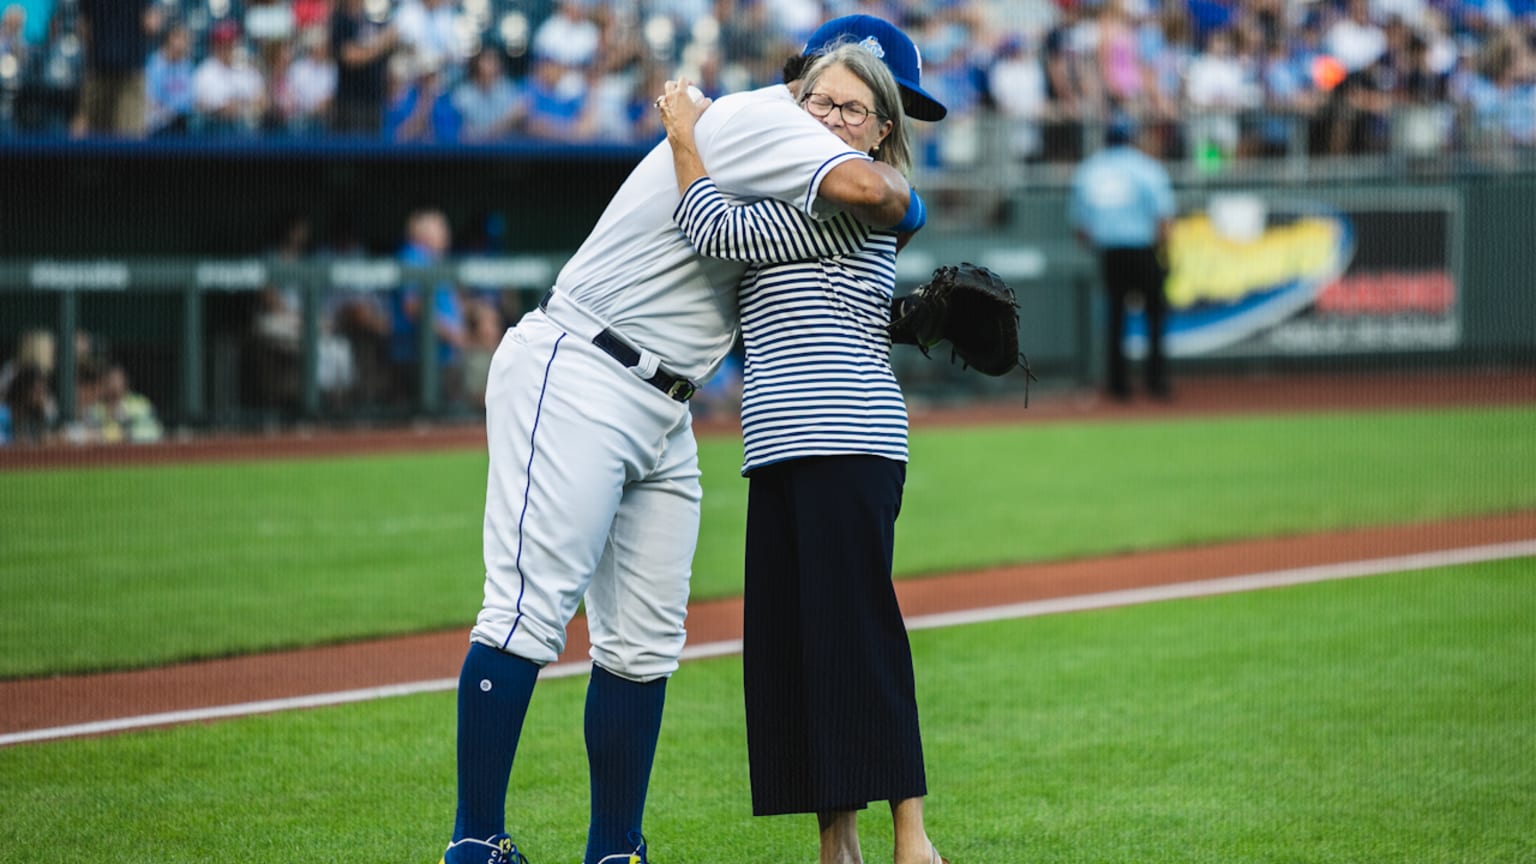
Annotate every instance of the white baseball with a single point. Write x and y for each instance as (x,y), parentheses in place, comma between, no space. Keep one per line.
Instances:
(695,94)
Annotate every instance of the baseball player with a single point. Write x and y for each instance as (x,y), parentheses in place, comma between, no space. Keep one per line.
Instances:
(593,483)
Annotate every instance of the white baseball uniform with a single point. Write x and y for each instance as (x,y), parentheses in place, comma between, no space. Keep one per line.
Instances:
(593,489)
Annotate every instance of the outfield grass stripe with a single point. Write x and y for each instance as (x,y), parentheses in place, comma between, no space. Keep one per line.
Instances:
(1078,603)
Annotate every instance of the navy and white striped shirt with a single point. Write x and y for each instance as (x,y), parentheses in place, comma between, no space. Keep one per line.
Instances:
(814,302)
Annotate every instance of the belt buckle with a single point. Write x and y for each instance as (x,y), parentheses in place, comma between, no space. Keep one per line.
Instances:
(681,390)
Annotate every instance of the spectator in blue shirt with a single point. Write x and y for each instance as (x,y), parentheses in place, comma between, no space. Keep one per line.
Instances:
(558,103)
(168,84)
(36,16)
(420,110)
(1120,207)
(13,34)
(427,242)
(1501,97)
(489,106)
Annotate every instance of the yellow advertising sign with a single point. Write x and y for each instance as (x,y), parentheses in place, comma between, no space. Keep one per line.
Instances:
(1206,266)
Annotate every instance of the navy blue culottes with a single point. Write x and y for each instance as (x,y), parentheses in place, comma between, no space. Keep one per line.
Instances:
(830,702)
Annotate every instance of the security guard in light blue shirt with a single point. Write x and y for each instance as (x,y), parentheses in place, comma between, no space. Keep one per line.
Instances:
(1120,207)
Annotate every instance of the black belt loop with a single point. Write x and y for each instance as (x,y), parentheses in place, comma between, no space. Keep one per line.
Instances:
(677,388)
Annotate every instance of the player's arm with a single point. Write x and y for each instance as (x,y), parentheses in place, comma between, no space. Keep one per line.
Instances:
(875,193)
(771,148)
(766,231)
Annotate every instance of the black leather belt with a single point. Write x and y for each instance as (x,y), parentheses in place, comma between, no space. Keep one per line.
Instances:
(676,388)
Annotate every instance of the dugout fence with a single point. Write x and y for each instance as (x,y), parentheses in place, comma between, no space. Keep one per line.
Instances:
(186,331)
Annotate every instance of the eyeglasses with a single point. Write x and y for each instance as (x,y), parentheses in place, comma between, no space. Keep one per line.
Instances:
(854,113)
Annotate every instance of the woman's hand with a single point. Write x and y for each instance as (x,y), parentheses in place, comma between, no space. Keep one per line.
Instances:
(680,105)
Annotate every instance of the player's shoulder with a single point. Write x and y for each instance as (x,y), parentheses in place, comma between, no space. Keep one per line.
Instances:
(772,94)
(763,105)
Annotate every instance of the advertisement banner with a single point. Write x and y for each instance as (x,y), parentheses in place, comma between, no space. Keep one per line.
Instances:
(1263,276)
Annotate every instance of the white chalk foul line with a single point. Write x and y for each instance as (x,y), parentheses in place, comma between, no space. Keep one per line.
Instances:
(193,715)
(1079,603)
(1230,584)
(314,700)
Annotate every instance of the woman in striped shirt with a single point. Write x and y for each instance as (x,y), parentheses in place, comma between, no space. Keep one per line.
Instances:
(832,721)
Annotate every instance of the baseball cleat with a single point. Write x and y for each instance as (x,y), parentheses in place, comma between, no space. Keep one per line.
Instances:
(635,857)
(496,850)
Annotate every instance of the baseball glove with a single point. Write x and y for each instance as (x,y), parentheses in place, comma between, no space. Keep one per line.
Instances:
(971,307)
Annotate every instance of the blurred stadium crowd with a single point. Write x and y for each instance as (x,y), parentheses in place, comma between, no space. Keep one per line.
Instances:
(1216,78)
(108,410)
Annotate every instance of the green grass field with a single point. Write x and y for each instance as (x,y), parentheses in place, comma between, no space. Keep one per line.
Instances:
(1384,719)
(1378,720)
(109,568)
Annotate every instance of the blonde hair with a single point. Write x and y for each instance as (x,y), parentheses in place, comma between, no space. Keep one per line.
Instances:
(896,149)
(35,347)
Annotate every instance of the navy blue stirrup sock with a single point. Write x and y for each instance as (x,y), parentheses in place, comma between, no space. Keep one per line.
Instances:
(494,690)
(623,719)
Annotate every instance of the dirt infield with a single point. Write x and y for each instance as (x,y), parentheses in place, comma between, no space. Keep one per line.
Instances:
(61,701)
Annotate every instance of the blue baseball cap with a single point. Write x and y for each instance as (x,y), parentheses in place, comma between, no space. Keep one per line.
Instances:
(1121,129)
(887,42)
